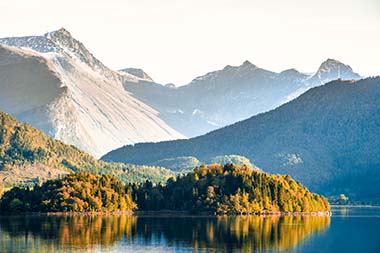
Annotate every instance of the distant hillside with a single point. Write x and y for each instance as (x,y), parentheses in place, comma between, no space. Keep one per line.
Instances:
(188,163)
(328,139)
(234,93)
(28,156)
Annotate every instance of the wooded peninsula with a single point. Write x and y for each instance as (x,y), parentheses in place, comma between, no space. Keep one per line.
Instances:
(214,189)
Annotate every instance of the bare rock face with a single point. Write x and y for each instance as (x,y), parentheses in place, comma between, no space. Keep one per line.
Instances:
(54,83)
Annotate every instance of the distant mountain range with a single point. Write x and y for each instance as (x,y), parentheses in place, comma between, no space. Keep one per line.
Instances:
(327,138)
(54,83)
(229,95)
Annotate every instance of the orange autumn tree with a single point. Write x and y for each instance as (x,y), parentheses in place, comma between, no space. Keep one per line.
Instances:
(229,188)
(78,192)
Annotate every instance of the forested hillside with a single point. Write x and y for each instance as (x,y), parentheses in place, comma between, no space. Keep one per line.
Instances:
(229,189)
(28,156)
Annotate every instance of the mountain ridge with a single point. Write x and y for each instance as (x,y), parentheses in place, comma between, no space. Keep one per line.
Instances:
(302,138)
(249,89)
(148,111)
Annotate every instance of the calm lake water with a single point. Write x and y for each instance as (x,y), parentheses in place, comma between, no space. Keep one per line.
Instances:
(348,230)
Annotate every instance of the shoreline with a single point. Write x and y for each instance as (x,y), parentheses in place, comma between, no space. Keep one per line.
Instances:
(164,213)
(354,206)
(169,213)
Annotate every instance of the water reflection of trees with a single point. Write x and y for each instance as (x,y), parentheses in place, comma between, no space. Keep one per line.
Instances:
(229,233)
(52,233)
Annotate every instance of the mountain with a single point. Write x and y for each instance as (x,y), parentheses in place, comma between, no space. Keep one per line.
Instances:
(234,93)
(74,97)
(28,156)
(332,69)
(327,138)
(137,73)
(54,83)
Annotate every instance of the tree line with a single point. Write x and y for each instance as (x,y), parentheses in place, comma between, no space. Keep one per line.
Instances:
(78,192)
(213,189)
(228,189)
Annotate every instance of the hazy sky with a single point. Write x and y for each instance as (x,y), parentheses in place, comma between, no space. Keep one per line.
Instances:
(176,41)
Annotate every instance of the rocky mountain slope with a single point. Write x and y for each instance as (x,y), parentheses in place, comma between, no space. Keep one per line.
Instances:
(327,138)
(54,83)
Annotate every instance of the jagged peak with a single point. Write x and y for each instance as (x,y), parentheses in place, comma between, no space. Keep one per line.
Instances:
(63,37)
(331,60)
(73,47)
(331,64)
(332,69)
(245,67)
(247,63)
(61,31)
(61,41)
(137,72)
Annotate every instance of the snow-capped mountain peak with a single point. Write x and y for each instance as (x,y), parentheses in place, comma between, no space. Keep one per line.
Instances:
(74,48)
(62,42)
(332,64)
(62,31)
(54,83)
(37,43)
(63,39)
(332,69)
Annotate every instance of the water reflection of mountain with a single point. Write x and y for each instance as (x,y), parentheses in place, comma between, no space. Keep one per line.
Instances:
(60,233)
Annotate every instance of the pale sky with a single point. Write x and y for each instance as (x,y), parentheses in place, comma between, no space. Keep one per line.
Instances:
(175,41)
